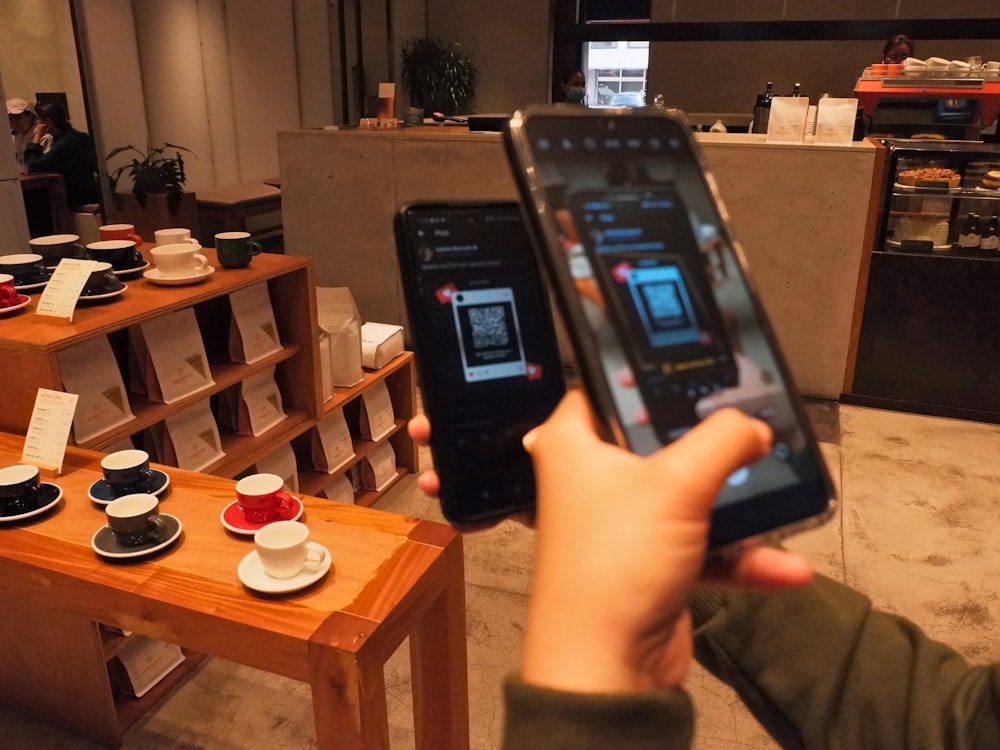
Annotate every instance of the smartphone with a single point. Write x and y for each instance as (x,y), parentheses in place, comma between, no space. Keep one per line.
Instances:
(655,292)
(486,349)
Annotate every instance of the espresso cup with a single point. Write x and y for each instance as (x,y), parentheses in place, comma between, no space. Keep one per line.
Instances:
(284,550)
(26,268)
(261,497)
(174,236)
(54,247)
(127,472)
(8,294)
(179,260)
(121,254)
(235,249)
(120,232)
(19,489)
(102,280)
(135,519)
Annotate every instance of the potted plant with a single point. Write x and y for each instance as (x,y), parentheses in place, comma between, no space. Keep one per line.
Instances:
(438,76)
(152,173)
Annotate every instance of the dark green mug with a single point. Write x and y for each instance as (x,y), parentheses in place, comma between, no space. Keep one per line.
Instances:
(235,249)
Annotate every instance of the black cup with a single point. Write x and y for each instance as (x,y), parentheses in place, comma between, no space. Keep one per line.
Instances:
(19,489)
(54,247)
(121,254)
(127,472)
(26,268)
(102,281)
(135,519)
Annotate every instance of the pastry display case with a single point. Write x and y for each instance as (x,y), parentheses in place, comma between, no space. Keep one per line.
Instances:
(923,338)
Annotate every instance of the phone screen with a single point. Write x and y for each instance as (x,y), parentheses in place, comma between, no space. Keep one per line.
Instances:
(640,252)
(486,348)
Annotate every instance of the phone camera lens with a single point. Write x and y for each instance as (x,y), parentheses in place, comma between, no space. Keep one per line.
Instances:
(459,297)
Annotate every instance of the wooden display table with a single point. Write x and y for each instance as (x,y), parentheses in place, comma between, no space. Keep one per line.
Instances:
(392,578)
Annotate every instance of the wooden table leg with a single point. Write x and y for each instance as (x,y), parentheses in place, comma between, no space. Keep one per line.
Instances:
(439,664)
(348,691)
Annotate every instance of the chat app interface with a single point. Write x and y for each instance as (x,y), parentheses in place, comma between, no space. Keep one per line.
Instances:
(659,285)
(483,307)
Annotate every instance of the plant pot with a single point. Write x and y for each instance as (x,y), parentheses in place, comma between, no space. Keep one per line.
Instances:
(156,214)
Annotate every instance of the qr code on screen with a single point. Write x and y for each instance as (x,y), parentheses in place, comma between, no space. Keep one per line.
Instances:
(663,300)
(489,326)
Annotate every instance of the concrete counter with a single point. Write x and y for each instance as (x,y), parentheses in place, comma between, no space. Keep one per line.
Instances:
(799,210)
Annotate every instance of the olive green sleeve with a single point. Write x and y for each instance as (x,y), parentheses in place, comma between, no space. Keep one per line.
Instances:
(820,668)
(543,719)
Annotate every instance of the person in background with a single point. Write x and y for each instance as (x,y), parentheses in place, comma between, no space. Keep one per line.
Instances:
(622,599)
(71,154)
(574,86)
(21,116)
(897,48)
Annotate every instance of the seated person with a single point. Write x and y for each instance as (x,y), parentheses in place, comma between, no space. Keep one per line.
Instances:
(21,116)
(71,154)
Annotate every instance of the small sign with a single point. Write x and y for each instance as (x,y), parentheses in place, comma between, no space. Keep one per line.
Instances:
(63,289)
(48,430)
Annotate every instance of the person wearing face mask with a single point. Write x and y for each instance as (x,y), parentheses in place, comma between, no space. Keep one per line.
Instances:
(574,86)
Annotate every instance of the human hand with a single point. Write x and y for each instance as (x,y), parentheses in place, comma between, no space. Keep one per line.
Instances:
(622,540)
(38,131)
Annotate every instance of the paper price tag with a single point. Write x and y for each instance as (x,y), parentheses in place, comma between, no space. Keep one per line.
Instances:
(48,430)
(63,290)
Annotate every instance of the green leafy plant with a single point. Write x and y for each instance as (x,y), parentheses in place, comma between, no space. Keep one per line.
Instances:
(438,76)
(152,172)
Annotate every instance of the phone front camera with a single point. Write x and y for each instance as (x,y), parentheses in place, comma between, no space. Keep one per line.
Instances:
(459,297)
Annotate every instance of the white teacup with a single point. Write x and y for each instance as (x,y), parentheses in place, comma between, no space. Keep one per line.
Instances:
(179,260)
(284,549)
(174,236)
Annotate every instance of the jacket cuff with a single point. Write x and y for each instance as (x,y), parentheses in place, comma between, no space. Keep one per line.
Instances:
(540,718)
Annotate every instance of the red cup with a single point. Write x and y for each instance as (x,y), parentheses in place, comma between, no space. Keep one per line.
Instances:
(262,499)
(8,294)
(120,232)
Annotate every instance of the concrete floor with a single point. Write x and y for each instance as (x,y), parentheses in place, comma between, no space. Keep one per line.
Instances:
(918,501)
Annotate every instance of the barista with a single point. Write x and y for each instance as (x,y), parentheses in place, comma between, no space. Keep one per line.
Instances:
(897,49)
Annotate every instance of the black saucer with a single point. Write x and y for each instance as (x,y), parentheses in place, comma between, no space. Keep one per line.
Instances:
(48,496)
(102,493)
(105,543)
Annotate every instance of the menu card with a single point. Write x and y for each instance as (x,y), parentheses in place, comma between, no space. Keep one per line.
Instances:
(48,429)
(90,370)
(282,463)
(176,353)
(253,406)
(332,446)
(377,418)
(378,468)
(62,291)
(339,490)
(190,439)
(253,333)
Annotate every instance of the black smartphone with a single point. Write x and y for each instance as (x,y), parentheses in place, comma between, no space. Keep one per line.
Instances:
(485,347)
(655,292)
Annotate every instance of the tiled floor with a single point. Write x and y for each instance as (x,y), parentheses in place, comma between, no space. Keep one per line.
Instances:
(918,498)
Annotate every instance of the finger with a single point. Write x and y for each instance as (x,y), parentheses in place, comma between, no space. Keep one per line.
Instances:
(429,482)
(571,421)
(419,429)
(706,456)
(761,568)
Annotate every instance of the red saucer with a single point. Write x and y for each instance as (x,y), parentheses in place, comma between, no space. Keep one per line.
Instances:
(234,519)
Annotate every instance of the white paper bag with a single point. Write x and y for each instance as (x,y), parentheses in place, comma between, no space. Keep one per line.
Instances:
(338,315)
(377,417)
(177,354)
(380,343)
(339,489)
(253,332)
(325,366)
(281,462)
(835,120)
(378,468)
(332,446)
(260,404)
(190,439)
(787,121)
(90,370)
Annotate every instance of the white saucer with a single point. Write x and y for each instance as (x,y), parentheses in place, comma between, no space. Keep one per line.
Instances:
(106,295)
(105,544)
(234,520)
(252,574)
(32,287)
(23,303)
(988,191)
(130,271)
(200,275)
(38,511)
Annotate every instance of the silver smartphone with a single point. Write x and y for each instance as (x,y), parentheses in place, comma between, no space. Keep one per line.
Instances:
(656,296)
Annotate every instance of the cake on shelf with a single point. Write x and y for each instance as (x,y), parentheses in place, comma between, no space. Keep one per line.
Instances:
(921,228)
(913,177)
(991,180)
